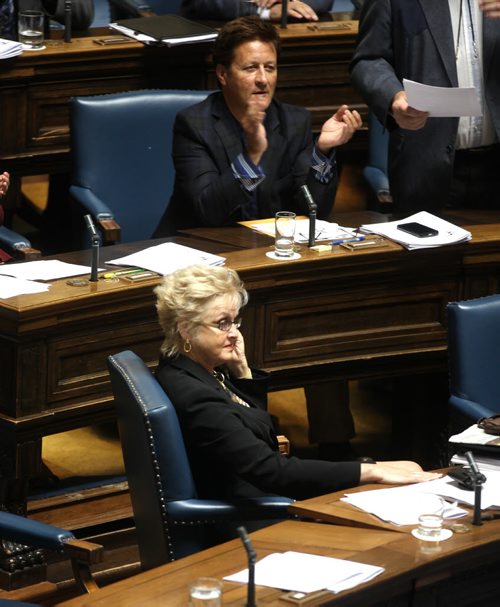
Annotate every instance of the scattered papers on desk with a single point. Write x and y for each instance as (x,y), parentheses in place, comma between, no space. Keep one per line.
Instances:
(10,48)
(442,101)
(49,269)
(402,505)
(300,572)
(484,463)
(448,487)
(448,232)
(324,230)
(476,436)
(168,257)
(10,287)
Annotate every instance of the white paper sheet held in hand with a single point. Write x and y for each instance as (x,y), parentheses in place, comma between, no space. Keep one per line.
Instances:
(442,102)
(300,572)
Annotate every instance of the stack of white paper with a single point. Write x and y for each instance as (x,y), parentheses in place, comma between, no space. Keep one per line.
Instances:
(448,233)
(10,48)
(11,287)
(324,230)
(300,572)
(403,505)
(168,257)
(44,269)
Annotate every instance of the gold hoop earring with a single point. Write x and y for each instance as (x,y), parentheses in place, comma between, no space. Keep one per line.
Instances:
(187,346)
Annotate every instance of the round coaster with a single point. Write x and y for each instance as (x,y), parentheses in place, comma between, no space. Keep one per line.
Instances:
(273,255)
(444,535)
(25,47)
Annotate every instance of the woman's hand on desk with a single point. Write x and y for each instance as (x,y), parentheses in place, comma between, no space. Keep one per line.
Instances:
(395,473)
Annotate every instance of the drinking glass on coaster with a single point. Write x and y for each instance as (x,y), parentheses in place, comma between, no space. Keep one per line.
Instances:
(284,224)
(205,592)
(430,526)
(30,28)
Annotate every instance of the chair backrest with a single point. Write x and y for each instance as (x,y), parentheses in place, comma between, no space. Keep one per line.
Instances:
(122,153)
(474,355)
(155,458)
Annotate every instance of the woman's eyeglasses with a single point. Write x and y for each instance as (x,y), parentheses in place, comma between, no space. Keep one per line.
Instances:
(224,325)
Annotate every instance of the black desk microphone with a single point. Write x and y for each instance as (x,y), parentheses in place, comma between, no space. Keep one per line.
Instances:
(284,14)
(252,556)
(95,240)
(477,480)
(312,207)
(67,20)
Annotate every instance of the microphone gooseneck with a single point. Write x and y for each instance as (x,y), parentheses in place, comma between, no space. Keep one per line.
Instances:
(477,480)
(312,207)
(252,557)
(95,240)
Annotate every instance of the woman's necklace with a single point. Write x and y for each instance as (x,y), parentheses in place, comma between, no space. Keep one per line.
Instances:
(219,376)
(474,45)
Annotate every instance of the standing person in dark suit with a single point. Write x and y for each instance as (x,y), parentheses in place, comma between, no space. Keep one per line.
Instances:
(221,402)
(434,162)
(241,154)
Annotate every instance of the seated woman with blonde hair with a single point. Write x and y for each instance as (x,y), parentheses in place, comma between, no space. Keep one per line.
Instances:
(221,402)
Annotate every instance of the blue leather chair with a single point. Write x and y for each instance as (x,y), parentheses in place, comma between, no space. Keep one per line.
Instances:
(28,535)
(474,355)
(171,521)
(123,172)
(375,172)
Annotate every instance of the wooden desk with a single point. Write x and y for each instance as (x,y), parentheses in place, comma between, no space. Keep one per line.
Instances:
(414,570)
(35,88)
(338,315)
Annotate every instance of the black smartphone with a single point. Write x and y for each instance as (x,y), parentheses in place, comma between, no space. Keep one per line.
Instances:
(417,229)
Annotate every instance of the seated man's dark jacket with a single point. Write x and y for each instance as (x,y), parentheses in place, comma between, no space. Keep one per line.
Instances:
(82,11)
(232,448)
(207,139)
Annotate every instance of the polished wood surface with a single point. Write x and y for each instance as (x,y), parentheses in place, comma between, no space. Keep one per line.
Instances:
(35,87)
(410,566)
(329,315)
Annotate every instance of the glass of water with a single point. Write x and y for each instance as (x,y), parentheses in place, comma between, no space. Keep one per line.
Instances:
(284,224)
(205,592)
(30,27)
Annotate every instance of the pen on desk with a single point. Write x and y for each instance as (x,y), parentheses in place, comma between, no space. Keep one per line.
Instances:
(122,273)
(343,240)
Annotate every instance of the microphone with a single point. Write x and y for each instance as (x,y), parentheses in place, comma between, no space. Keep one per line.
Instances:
(311,205)
(477,480)
(94,237)
(252,556)
(67,20)
(284,14)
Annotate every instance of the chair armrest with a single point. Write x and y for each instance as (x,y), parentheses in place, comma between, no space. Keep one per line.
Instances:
(196,511)
(17,245)
(283,444)
(470,408)
(103,215)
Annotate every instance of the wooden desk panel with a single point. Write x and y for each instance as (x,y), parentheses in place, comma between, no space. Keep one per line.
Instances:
(411,566)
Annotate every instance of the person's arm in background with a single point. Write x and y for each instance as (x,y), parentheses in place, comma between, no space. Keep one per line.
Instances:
(4,183)
(82,12)
(372,68)
(225,10)
(491,8)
